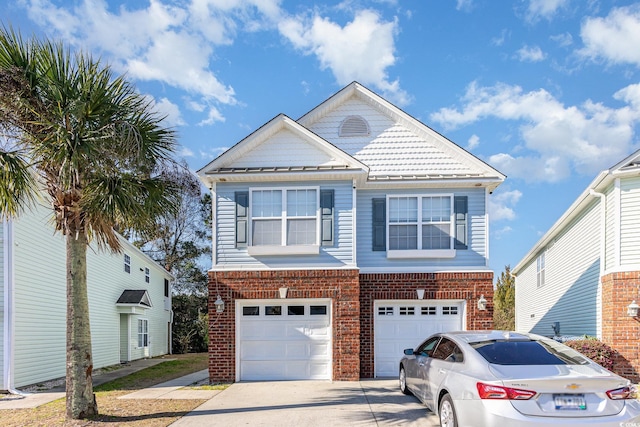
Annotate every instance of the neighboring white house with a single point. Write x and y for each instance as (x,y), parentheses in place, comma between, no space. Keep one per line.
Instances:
(342,238)
(582,275)
(129,303)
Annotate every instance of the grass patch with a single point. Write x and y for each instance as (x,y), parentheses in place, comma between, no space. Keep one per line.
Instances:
(157,374)
(114,412)
(209,387)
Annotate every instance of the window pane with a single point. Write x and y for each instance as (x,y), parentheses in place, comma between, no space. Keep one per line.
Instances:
(251,311)
(522,352)
(301,232)
(403,209)
(436,209)
(403,237)
(273,310)
(318,310)
(266,203)
(301,203)
(436,236)
(295,310)
(267,232)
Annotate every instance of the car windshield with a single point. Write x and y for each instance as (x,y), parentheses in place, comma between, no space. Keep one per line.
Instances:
(527,352)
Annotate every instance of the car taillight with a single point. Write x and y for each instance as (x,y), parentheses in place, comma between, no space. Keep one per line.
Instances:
(620,393)
(489,391)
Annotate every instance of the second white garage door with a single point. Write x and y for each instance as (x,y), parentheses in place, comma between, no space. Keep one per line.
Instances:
(405,324)
(283,339)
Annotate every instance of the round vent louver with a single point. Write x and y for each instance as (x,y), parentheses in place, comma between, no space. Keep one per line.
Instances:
(354,126)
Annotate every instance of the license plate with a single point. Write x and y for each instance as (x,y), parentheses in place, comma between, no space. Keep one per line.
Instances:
(570,401)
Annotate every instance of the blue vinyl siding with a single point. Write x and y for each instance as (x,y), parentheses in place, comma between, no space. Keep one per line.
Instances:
(474,256)
(338,255)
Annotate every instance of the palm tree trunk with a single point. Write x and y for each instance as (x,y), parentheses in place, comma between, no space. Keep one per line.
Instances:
(81,402)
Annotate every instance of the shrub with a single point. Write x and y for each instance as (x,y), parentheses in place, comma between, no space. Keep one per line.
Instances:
(595,350)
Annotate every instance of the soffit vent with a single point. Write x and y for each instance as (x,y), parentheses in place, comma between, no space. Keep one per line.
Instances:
(354,126)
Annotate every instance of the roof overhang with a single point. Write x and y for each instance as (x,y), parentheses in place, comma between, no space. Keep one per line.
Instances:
(225,167)
(133,301)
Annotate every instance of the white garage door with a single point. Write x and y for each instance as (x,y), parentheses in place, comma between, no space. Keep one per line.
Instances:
(405,324)
(283,339)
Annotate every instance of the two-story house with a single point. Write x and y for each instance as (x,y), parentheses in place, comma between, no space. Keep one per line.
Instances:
(129,303)
(583,276)
(341,238)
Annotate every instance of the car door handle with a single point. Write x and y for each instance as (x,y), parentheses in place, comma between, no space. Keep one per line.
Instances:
(442,371)
(421,364)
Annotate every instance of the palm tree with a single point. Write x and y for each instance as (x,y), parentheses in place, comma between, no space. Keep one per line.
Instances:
(87,143)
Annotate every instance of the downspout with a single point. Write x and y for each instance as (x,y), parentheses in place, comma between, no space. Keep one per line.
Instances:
(8,319)
(603,225)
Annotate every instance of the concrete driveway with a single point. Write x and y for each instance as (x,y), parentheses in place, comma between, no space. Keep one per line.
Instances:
(311,403)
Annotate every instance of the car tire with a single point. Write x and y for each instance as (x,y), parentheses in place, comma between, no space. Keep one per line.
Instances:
(403,381)
(447,412)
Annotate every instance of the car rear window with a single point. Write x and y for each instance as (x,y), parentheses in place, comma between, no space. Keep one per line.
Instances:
(528,352)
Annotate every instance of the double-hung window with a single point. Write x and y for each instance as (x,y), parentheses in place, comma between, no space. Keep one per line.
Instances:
(143,333)
(284,219)
(420,226)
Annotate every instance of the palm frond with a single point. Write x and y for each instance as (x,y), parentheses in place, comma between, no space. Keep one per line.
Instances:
(18,189)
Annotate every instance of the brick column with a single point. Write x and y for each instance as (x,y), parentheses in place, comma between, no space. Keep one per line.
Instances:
(620,331)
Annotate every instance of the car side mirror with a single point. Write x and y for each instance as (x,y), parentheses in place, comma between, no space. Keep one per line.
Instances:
(408,352)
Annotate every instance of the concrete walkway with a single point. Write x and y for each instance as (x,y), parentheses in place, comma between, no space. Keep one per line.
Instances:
(174,389)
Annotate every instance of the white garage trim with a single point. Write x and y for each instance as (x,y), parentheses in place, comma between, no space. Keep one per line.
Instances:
(283,339)
(400,324)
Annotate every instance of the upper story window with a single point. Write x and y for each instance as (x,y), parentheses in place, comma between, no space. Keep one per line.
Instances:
(147,275)
(420,223)
(354,126)
(284,221)
(127,264)
(540,267)
(284,217)
(166,288)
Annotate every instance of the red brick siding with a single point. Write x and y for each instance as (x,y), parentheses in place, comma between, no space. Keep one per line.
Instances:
(619,331)
(461,286)
(352,296)
(341,286)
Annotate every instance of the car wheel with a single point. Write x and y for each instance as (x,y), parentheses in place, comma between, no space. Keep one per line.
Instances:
(447,412)
(403,381)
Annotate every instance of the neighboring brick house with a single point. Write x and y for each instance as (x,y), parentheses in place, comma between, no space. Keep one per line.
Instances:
(583,274)
(342,238)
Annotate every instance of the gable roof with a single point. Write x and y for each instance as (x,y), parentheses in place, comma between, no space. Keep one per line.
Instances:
(401,152)
(410,151)
(253,156)
(139,297)
(628,166)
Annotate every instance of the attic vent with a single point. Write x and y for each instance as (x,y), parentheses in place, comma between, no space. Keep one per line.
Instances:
(354,126)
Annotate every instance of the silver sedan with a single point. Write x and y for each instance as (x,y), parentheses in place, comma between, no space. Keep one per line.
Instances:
(498,378)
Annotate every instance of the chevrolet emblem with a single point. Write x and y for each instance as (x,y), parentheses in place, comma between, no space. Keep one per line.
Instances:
(573,386)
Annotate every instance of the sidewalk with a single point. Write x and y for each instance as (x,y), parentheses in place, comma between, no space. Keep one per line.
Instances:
(173,389)
(35,399)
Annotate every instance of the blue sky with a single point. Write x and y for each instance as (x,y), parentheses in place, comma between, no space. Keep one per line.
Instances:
(546,91)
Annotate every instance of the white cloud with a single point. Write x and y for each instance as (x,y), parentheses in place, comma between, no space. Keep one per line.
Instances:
(186,152)
(558,140)
(464,5)
(563,40)
(614,38)
(546,9)
(530,54)
(501,204)
(172,114)
(473,142)
(362,50)
(213,116)
(499,41)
